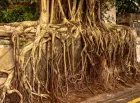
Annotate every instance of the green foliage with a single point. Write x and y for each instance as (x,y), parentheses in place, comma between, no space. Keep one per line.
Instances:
(128,6)
(18,14)
(22,0)
(123,6)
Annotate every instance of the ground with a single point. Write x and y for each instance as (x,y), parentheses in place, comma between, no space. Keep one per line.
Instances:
(128,95)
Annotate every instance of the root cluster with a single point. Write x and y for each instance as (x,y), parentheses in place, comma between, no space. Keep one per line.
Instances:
(68,49)
(72,56)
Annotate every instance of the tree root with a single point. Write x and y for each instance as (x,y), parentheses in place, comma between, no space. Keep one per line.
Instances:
(65,54)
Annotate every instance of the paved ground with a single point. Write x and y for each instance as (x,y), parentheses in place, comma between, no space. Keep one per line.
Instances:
(129,95)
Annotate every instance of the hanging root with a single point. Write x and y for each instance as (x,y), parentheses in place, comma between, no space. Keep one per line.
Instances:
(70,56)
(6,89)
(77,54)
(61,57)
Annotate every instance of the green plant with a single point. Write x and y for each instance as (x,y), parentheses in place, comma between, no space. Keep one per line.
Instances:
(128,6)
(18,14)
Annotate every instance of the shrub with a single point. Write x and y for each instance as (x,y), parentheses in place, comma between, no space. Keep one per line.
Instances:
(18,13)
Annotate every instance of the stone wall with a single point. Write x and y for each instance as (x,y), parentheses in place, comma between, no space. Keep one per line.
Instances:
(109,15)
(6,60)
(131,19)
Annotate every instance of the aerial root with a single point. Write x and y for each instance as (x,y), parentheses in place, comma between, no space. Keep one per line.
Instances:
(6,91)
(16,91)
(64,55)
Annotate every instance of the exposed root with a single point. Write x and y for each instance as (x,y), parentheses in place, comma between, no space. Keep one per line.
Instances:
(53,59)
(98,56)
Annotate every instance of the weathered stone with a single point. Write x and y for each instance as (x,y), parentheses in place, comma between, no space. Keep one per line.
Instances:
(6,59)
(9,29)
